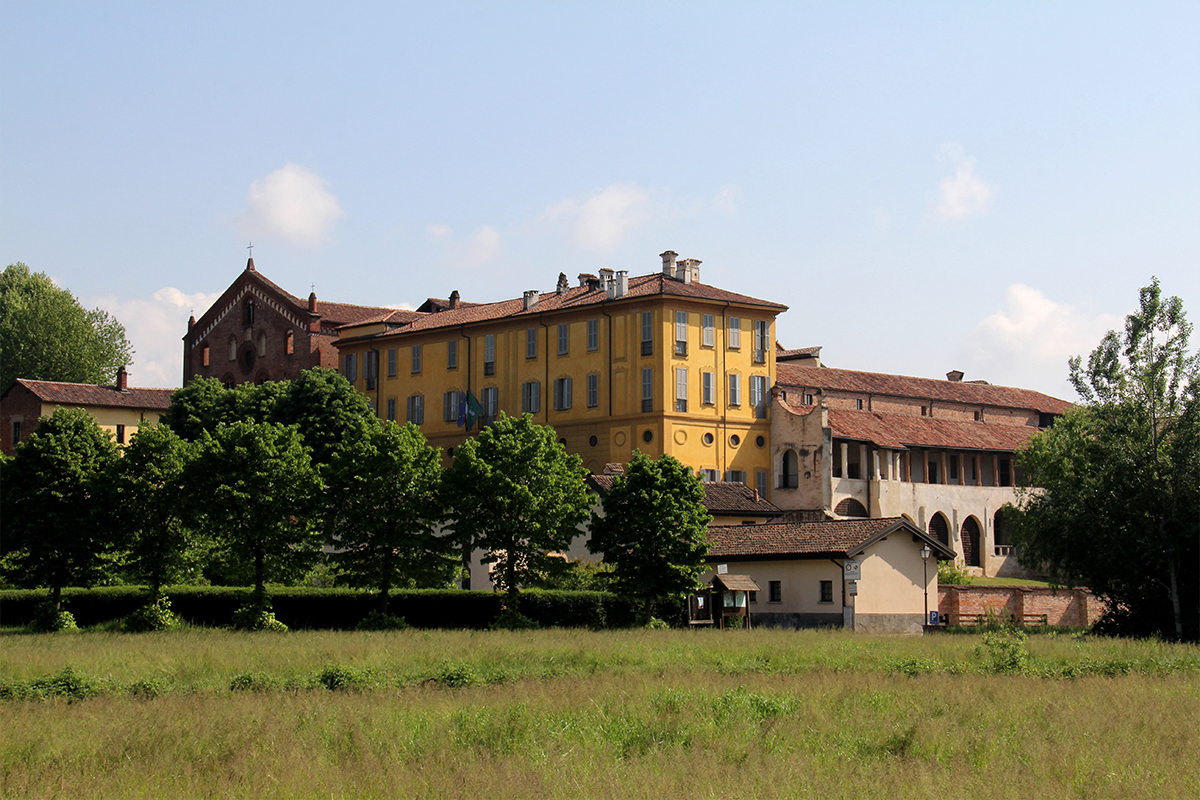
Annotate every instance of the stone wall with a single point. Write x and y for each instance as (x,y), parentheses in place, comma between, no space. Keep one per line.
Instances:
(959,605)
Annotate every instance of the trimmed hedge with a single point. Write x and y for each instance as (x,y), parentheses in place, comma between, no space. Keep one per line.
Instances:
(337,609)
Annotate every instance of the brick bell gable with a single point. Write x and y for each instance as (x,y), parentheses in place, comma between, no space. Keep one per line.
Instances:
(256,331)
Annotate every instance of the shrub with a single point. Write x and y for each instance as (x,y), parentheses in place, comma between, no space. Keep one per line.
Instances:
(656,624)
(338,677)
(257,617)
(147,689)
(915,665)
(513,620)
(48,619)
(67,682)
(154,616)
(378,621)
(1005,652)
(950,572)
(455,675)
(252,682)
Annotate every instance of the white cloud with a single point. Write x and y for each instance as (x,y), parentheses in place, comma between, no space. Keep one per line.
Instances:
(484,246)
(155,326)
(1028,341)
(963,194)
(292,203)
(440,231)
(600,221)
(727,199)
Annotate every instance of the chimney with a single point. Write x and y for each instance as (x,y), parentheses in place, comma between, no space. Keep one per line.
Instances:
(562,286)
(250,265)
(622,283)
(606,278)
(688,270)
(531,299)
(588,280)
(122,379)
(454,299)
(954,376)
(669,262)
(312,302)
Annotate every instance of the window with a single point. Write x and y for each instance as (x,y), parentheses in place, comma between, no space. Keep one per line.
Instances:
(826,591)
(120,434)
(593,389)
(707,381)
(450,406)
(647,390)
(647,333)
(681,333)
(204,356)
(250,313)
(452,355)
(391,409)
(392,362)
(735,333)
(416,358)
(708,336)
(562,394)
(808,399)
(350,366)
(531,343)
(371,367)
(593,334)
(489,354)
(760,482)
(858,404)
(564,338)
(758,395)
(681,390)
(735,476)
(416,409)
(774,591)
(490,403)
(953,465)
(708,475)
(531,397)
(1005,472)
(762,340)
(753,596)
(735,390)
(289,343)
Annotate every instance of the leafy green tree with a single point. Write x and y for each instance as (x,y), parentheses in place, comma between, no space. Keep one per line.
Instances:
(258,497)
(54,534)
(654,531)
(515,493)
(1110,497)
(204,404)
(384,511)
(46,335)
(149,496)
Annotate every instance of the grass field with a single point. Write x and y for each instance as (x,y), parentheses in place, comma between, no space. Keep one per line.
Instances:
(566,713)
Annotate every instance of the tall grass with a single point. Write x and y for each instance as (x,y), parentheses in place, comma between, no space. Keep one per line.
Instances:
(580,714)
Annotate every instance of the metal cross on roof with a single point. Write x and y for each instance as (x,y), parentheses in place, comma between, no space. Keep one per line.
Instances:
(250,247)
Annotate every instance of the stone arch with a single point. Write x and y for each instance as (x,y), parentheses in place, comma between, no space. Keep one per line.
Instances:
(1000,529)
(850,508)
(971,543)
(262,344)
(789,476)
(228,381)
(261,377)
(939,527)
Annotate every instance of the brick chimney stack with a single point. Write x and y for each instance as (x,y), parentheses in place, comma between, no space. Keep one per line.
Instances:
(312,302)
(122,379)
(454,298)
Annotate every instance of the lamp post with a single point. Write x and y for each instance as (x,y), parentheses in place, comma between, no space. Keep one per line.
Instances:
(925,553)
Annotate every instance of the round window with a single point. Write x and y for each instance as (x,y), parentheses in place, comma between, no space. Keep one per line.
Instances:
(593,441)
(563,442)
(735,440)
(760,441)
(648,436)
(708,438)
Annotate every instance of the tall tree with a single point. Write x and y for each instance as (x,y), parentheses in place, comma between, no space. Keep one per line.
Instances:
(1110,499)
(515,493)
(204,404)
(384,511)
(46,335)
(148,493)
(260,499)
(654,531)
(54,534)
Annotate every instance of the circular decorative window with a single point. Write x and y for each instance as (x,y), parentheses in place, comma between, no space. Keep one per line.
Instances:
(648,436)
(593,441)
(761,441)
(735,440)
(708,438)
(563,442)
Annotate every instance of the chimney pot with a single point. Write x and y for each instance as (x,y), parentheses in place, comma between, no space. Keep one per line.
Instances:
(122,379)
(954,376)
(531,299)
(454,297)
(668,258)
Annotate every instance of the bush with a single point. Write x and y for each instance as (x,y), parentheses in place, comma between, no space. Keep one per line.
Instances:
(154,616)
(147,689)
(656,624)
(513,620)
(337,678)
(950,573)
(252,682)
(257,617)
(1004,652)
(378,621)
(455,675)
(67,683)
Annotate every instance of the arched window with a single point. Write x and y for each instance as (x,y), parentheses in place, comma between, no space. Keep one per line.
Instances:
(204,354)
(289,343)
(970,542)
(233,348)
(940,528)
(1000,529)
(850,508)
(790,477)
(262,345)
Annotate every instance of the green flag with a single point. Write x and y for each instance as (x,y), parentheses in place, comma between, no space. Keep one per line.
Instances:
(474,409)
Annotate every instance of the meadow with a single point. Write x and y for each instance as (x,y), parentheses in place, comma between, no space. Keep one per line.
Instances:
(574,713)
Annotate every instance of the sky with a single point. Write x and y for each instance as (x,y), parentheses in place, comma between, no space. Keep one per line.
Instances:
(927,186)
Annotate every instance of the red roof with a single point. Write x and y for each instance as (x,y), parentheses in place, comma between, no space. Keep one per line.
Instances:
(898,431)
(880,383)
(86,394)
(331,313)
(841,538)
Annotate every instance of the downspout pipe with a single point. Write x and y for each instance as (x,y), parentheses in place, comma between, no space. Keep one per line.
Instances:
(610,367)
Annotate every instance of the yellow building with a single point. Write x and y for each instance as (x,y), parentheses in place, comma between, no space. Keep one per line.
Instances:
(659,362)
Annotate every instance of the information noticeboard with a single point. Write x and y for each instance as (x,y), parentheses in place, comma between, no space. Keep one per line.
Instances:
(852,570)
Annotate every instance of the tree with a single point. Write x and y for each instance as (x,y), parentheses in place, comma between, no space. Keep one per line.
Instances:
(148,493)
(204,404)
(54,534)
(46,335)
(1109,498)
(258,497)
(514,492)
(384,511)
(654,531)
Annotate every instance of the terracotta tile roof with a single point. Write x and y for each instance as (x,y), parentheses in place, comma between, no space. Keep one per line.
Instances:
(331,313)
(578,297)
(389,316)
(798,353)
(926,388)
(737,583)
(719,497)
(898,431)
(841,538)
(86,394)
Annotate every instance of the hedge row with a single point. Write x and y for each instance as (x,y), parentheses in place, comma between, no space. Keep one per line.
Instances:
(336,609)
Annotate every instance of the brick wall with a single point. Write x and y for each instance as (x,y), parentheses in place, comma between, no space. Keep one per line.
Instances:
(1068,607)
(19,404)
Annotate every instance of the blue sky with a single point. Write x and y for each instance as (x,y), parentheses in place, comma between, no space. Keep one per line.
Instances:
(928,186)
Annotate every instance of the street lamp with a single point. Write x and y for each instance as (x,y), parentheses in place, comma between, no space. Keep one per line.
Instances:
(925,554)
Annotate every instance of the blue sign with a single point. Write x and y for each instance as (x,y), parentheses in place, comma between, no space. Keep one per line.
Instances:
(933,618)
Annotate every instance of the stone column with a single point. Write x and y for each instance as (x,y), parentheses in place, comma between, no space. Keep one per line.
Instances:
(845,459)
(875,465)
(863,465)
(995,469)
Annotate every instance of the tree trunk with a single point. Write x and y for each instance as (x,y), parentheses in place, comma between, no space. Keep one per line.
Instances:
(260,587)
(56,597)
(385,583)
